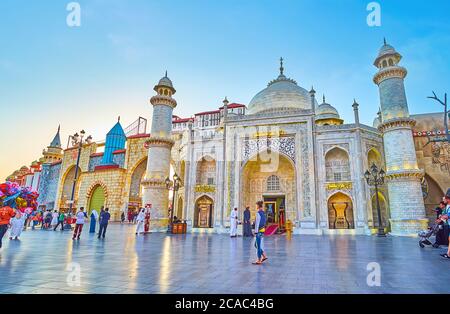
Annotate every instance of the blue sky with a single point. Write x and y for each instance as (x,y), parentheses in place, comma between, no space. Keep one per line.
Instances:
(83,78)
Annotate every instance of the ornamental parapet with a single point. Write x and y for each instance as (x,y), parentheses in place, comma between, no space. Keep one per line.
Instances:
(205,188)
(163,100)
(414,174)
(389,72)
(396,123)
(154,141)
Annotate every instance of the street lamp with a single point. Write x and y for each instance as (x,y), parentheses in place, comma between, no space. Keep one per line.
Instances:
(375,177)
(77,140)
(174,186)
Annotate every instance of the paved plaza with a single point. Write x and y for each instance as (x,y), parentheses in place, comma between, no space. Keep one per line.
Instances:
(43,261)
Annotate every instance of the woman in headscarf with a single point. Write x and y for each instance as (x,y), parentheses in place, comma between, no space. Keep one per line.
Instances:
(94,218)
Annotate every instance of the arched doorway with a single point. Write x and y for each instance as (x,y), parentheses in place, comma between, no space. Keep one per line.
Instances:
(67,187)
(273,181)
(203,214)
(97,199)
(135,195)
(180,208)
(383,210)
(432,196)
(340,212)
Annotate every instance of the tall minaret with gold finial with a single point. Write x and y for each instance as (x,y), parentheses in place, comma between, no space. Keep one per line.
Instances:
(160,145)
(403,175)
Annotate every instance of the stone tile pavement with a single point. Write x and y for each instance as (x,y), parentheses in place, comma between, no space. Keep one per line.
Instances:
(47,262)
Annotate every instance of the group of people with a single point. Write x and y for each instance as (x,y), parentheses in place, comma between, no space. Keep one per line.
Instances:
(260,229)
(143,220)
(103,220)
(442,219)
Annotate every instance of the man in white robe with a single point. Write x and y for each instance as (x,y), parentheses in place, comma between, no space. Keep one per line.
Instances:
(17,224)
(233,223)
(140,220)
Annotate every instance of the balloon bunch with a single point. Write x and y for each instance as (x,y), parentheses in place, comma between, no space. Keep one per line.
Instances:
(21,198)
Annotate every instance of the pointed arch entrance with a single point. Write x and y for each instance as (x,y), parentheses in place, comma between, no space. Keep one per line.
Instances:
(340,212)
(272,181)
(97,199)
(203,214)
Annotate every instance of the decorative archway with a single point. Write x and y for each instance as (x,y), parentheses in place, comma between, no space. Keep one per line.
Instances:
(180,208)
(206,171)
(337,165)
(383,210)
(340,211)
(273,181)
(374,157)
(203,213)
(67,186)
(97,198)
(432,195)
(135,195)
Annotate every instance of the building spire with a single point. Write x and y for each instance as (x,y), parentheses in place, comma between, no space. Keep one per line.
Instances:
(281,66)
(118,119)
(166,74)
(323,98)
(384,40)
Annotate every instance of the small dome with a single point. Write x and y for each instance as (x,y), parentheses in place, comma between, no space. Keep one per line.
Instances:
(385,51)
(326,111)
(165,82)
(376,122)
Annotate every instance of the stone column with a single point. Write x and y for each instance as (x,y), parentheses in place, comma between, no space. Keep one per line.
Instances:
(403,176)
(159,154)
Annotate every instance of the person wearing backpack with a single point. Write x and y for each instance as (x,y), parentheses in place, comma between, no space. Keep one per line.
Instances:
(260,228)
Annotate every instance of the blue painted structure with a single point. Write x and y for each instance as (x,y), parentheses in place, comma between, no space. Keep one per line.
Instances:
(115,140)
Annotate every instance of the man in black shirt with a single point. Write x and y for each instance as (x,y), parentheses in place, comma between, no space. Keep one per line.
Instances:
(104,219)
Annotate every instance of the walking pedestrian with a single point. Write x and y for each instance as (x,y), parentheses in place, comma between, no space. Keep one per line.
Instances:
(94,218)
(233,223)
(17,223)
(260,228)
(81,218)
(140,222)
(61,218)
(6,213)
(54,218)
(104,219)
(122,218)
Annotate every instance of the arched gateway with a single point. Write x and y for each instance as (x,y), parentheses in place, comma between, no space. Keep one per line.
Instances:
(272,182)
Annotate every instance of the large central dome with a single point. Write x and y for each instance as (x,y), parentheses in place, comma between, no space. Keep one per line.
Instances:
(280,95)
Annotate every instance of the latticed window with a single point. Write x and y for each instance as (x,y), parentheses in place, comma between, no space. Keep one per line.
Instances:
(337,170)
(273,183)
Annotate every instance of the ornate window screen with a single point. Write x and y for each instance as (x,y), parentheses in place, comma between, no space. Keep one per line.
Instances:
(337,170)
(273,183)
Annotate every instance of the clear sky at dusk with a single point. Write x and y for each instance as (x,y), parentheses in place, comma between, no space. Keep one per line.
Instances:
(84,77)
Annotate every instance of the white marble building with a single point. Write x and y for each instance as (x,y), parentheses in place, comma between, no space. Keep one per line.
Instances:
(299,157)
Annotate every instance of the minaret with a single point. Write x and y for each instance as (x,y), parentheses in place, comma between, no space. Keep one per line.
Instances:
(53,153)
(403,176)
(159,152)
